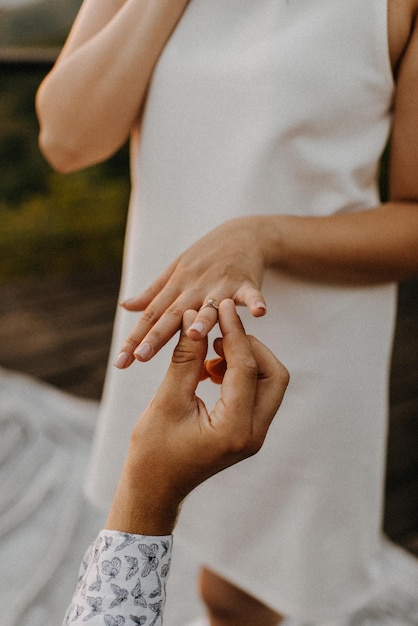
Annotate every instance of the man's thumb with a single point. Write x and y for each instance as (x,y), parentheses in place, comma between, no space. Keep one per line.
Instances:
(186,365)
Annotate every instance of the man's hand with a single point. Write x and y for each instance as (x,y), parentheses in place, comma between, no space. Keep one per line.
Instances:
(177,443)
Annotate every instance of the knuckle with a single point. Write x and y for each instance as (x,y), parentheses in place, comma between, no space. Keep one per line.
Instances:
(149,292)
(249,364)
(193,293)
(149,316)
(253,448)
(182,354)
(155,336)
(131,343)
(284,374)
(242,445)
(175,311)
(281,375)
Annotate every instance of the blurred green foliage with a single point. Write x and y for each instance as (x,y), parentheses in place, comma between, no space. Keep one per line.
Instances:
(51,222)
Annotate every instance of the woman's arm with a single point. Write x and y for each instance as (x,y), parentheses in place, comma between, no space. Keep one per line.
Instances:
(90,100)
(370,246)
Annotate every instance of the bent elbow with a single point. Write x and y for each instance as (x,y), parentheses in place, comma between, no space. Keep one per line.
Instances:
(59,156)
(56,143)
(68,152)
(51,141)
(71,142)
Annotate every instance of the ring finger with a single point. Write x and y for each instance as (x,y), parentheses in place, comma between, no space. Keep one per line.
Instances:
(205,320)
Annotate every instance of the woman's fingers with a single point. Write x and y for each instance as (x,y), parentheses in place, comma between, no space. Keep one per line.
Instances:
(206,318)
(252,298)
(162,317)
(227,262)
(158,323)
(144,299)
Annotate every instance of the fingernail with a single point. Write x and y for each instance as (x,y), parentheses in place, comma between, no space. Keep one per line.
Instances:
(121,360)
(198,327)
(143,351)
(128,301)
(260,305)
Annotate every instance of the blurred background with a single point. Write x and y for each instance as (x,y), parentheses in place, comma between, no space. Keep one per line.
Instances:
(61,241)
(61,237)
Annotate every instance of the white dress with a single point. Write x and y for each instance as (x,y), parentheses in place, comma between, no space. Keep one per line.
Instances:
(266,107)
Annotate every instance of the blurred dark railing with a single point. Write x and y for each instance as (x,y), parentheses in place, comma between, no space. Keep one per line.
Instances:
(28,57)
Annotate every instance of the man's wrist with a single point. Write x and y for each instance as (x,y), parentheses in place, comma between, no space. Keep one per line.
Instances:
(142,521)
(139,508)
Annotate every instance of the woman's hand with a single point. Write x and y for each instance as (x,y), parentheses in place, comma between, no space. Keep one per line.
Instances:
(228,262)
(177,443)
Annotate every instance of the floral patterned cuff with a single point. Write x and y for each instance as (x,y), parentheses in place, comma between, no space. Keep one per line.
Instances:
(122,581)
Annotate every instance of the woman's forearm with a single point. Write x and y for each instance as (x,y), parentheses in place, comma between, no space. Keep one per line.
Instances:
(372,246)
(90,100)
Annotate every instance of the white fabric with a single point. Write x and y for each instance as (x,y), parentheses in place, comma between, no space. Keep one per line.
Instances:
(118,583)
(269,107)
(45,524)
(123,577)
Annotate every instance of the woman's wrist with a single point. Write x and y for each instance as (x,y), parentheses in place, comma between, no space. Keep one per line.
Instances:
(274,238)
(267,232)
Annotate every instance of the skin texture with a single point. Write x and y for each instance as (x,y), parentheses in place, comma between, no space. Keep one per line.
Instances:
(177,443)
(369,247)
(84,119)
